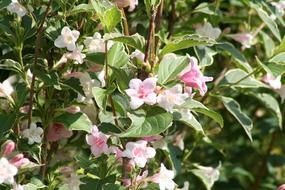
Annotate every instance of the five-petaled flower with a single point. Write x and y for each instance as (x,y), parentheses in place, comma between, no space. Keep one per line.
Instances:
(16,7)
(98,142)
(142,92)
(164,178)
(193,77)
(67,39)
(7,171)
(34,134)
(139,152)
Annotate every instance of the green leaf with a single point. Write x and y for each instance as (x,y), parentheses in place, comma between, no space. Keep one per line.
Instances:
(4,4)
(30,186)
(7,122)
(154,122)
(205,56)
(101,96)
(117,57)
(268,43)
(111,18)
(50,78)
(237,55)
(201,108)
(185,42)
(281,47)
(113,187)
(234,108)
(270,103)
(76,122)
(239,78)
(9,64)
(82,8)
(190,122)
(204,8)
(267,20)
(272,68)
(170,68)
(279,58)
(136,41)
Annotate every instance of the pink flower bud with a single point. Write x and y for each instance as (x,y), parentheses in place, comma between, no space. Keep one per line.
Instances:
(9,148)
(21,162)
(73,109)
(25,109)
(16,158)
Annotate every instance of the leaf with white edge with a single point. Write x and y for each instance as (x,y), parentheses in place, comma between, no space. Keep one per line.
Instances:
(271,103)
(30,186)
(169,69)
(204,8)
(189,121)
(267,20)
(279,58)
(4,3)
(117,57)
(268,43)
(281,47)
(82,8)
(205,56)
(201,108)
(154,122)
(272,68)
(185,42)
(75,122)
(111,18)
(136,41)
(101,96)
(239,78)
(237,55)
(234,108)
(208,175)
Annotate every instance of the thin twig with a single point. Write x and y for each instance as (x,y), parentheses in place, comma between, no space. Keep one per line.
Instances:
(37,52)
(158,22)
(125,22)
(172,19)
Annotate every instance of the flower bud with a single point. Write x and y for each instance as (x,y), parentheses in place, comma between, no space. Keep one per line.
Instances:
(73,109)
(9,148)
(281,187)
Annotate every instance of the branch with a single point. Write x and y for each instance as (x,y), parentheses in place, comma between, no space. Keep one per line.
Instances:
(172,18)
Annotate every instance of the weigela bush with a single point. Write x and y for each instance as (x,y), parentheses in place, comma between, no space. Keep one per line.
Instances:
(153,94)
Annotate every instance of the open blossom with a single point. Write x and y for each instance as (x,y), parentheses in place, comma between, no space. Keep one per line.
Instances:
(244,38)
(75,55)
(57,131)
(139,152)
(164,178)
(34,134)
(193,77)
(6,88)
(274,83)
(209,31)
(67,39)
(96,43)
(73,182)
(98,142)
(7,171)
(171,97)
(142,92)
(16,7)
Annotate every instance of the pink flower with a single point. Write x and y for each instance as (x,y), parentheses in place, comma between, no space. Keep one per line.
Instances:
(9,148)
(193,77)
(244,38)
(168,99)
(138,54)
(152,138)
(164,178)
(98,142)
(274,83)
(139,152)
(138,181)
(117,151)
(7,171)
(57,131)
(142,92)
(133,4)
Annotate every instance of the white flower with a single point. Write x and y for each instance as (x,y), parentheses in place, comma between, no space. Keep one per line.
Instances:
(67,39)
(73,182)
(75,55)
(16,7)
(210,173)
(95,43)
(280,6)
(164,178)
(33,134)
(7,171)
(273,82)
(139,152)
(138,54)
(171,97)
(208,31)
(6,88)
